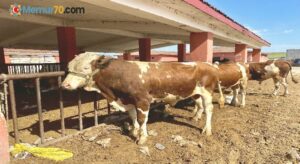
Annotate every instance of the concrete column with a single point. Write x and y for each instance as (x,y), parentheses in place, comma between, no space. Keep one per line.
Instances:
(241,53)
(201,46)
(126,56)
(66,39)
(181,50)
(4,145)
(145,49)
(256,55)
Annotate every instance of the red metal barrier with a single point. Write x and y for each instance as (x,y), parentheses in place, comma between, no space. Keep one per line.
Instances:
(4,149)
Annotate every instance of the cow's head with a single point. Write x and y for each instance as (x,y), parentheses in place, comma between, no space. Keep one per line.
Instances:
(81,70)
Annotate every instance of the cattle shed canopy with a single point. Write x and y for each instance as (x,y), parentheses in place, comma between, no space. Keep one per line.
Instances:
(116,25)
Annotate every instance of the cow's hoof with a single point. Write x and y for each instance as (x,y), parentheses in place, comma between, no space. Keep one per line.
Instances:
(142,140)
(196,119)
(134,133)
(207,132)
(221,103)
(242,106)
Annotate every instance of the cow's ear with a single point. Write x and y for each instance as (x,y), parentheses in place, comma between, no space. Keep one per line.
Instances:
(100,59)
(103,62)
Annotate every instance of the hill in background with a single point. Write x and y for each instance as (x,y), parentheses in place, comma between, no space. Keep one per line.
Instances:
(276,55)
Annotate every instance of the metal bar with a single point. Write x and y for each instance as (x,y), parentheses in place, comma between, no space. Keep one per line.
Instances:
(6,101)
(51,142)
(108,107)
(32,75)
(61,107)
(13,109)
(96,108)
(79,110)
(39,105)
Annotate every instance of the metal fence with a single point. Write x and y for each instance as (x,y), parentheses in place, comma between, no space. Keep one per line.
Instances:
(31,68)
(9,79)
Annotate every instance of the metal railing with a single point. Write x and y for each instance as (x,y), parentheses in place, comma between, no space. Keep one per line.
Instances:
(25,68)
(37,76)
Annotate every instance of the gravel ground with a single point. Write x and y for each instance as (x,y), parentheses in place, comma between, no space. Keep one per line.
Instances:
(265,131)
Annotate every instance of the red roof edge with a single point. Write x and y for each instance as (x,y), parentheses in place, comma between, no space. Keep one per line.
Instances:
(214,12)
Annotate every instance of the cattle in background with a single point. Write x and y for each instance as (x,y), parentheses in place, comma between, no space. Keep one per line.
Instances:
(278,70)
(134,85)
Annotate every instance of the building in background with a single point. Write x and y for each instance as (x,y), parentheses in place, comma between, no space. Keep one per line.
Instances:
(219,54)
(27,56)
(292,54)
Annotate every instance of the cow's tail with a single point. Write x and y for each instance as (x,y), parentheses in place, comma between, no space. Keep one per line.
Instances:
(293,79)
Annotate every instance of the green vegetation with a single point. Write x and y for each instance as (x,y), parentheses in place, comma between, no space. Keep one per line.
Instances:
(276,55)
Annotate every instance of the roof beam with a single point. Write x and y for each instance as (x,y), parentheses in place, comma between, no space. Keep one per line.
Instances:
(107,43)
(35,46)
(114,32)
(141,27)
(159,12)
(118,44)
(152,46)
(15,39)
(159,37)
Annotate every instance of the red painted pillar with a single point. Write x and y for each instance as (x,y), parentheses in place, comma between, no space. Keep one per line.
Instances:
(256,54)
(126,56)
(145,49)
(4,145)
(201,46)
(181,50)
(241,53)
(66,39)
(3,68)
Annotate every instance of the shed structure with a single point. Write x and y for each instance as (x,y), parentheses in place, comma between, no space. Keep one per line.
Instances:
(124,26)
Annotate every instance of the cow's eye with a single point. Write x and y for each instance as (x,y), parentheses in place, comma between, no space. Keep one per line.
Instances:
(86,68)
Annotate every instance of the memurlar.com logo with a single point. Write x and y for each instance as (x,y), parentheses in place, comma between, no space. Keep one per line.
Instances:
(17,10)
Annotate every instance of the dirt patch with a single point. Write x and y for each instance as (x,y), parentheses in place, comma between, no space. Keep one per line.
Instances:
(262,132)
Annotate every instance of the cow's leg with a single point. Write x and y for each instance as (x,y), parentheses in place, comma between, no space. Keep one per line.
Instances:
(222,99)
(260,82)
(277,86)
(285,85)
(142,118)
(243,87)
(136,126)
(199,109)
(235,100)
(208,107)
(195,110)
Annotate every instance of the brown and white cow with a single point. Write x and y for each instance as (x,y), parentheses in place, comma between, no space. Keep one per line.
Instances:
(234,76)
(278,70)
(231,76)
(134,85)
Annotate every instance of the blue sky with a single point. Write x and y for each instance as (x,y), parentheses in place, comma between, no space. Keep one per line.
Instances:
(277,21)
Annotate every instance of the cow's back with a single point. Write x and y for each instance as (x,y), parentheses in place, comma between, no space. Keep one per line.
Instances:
(158,79)
(284,67)
(229,74)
